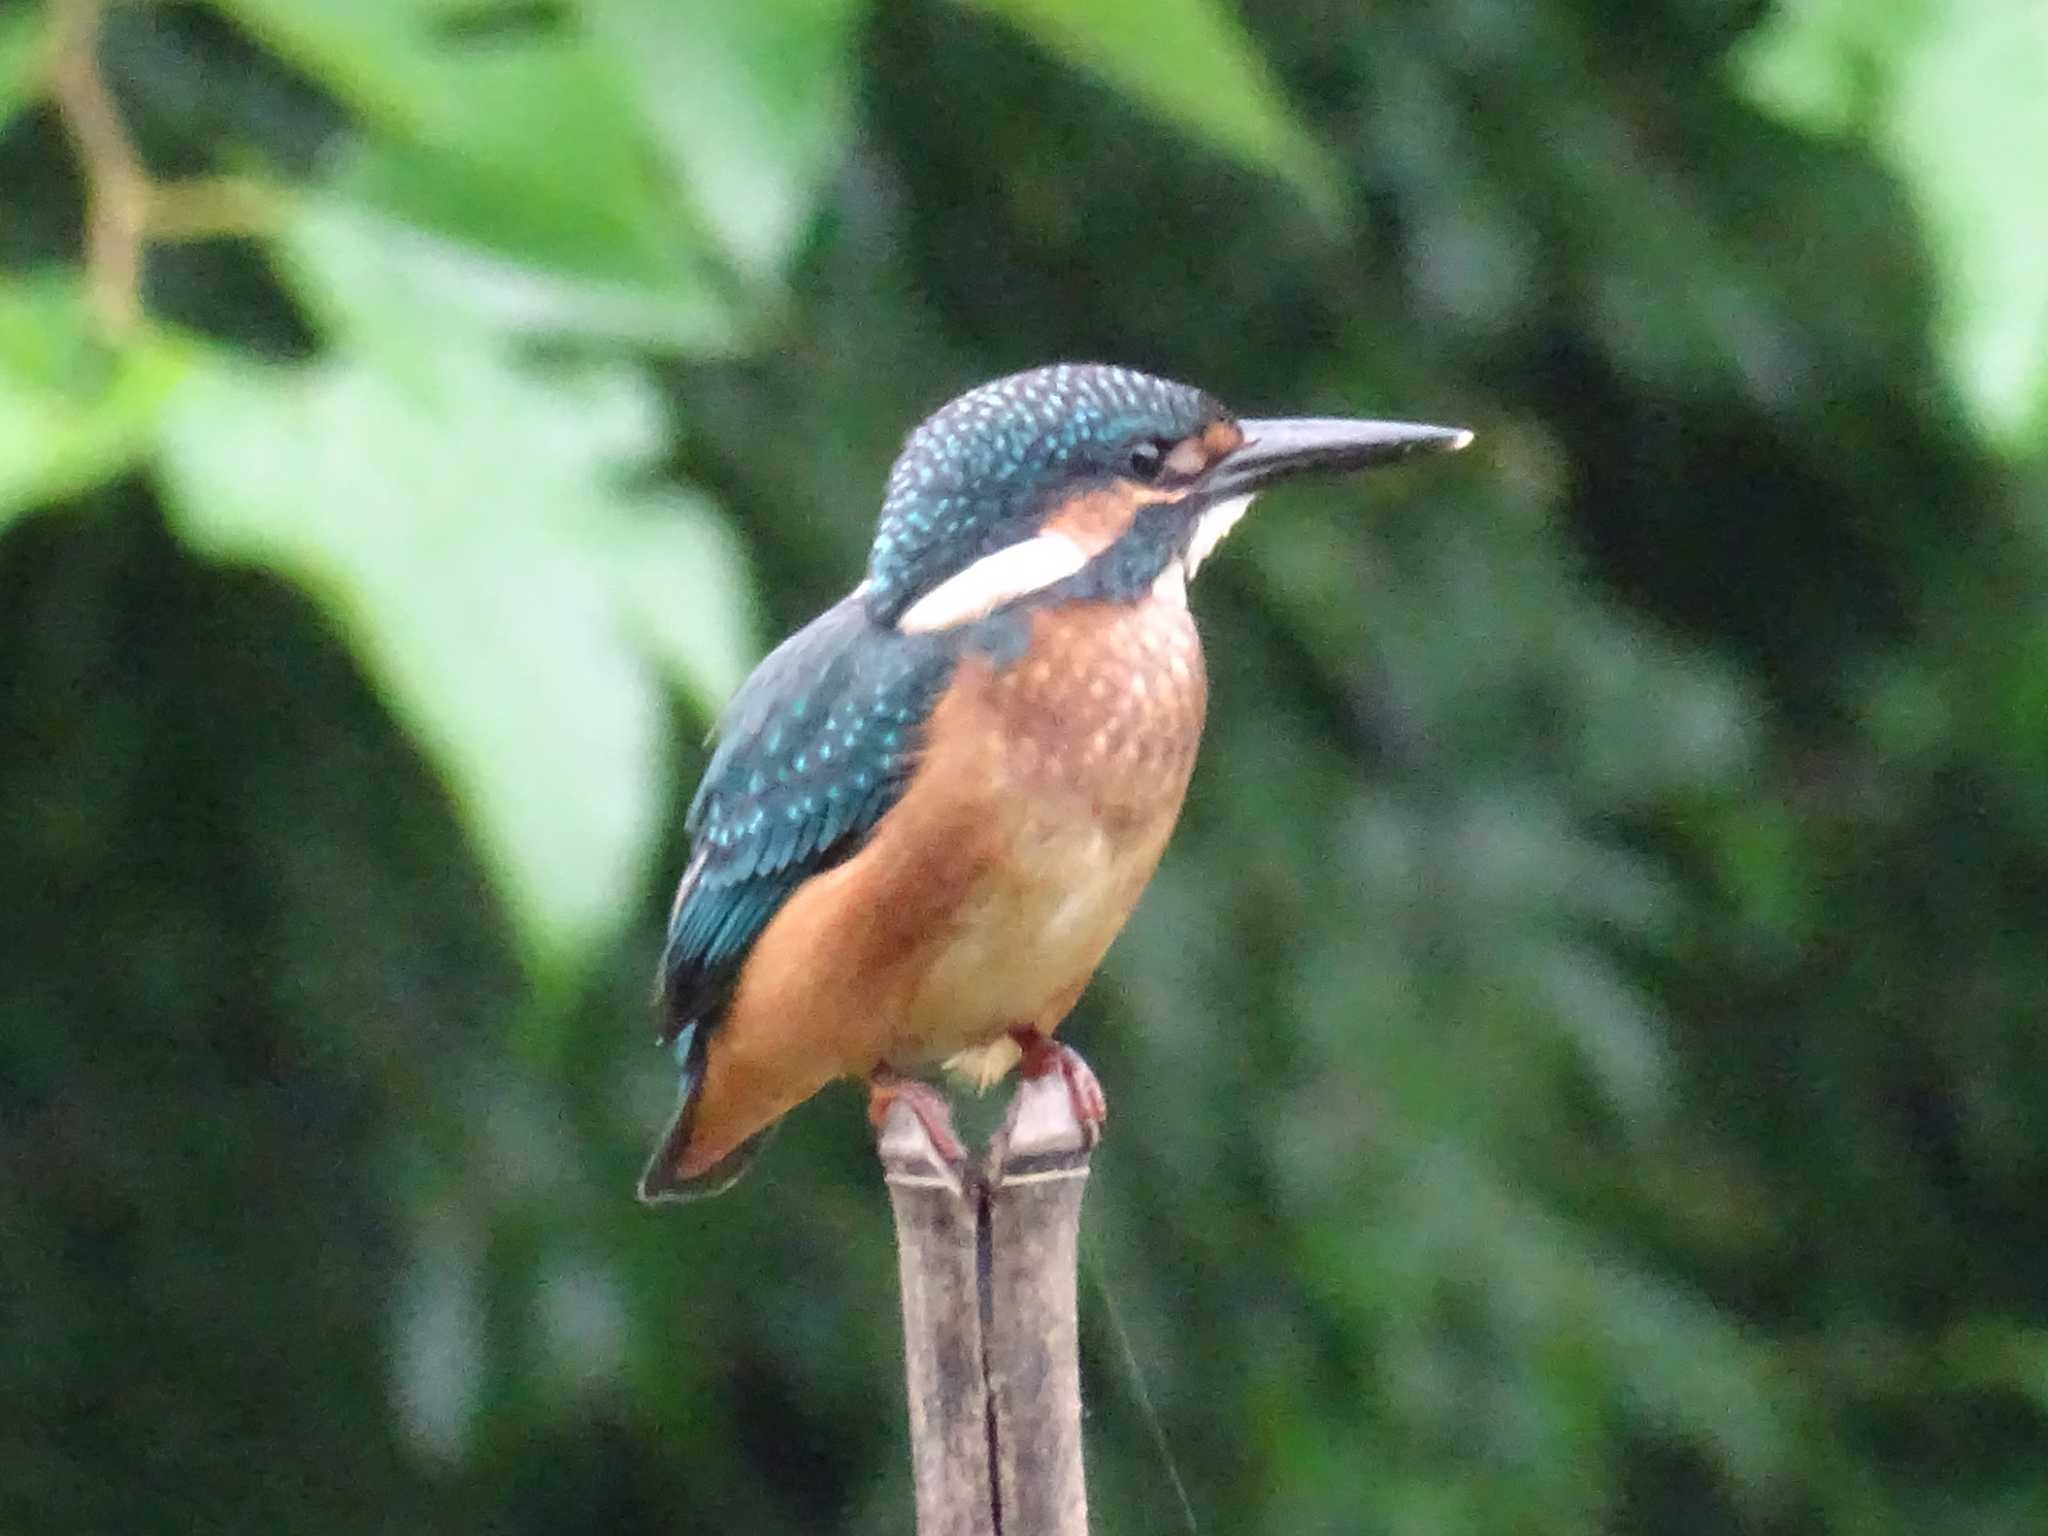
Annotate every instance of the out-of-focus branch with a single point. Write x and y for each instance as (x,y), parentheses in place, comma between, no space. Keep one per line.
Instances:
(124,208)
(116,186)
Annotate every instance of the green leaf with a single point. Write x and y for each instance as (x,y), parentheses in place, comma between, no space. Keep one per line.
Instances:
(22,32)
(482,615)
(751,105)
(684,587)
(551,169)
(376,55)
(372,269)
(1191,63)
(1955,97)
(73,411)
(520,156)
(466,519)
(401,65)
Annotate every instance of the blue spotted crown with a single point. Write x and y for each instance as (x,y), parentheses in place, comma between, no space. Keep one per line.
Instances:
(977,474)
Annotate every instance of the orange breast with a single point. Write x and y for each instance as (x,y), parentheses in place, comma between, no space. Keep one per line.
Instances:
(1101,717)
(1087,744)
(988,895)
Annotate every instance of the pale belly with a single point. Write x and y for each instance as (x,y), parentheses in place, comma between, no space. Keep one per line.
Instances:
(1027,940)
(1078,777)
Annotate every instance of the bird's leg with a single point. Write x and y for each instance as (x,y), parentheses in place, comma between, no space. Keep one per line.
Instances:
(1044,1055)
(887,1087)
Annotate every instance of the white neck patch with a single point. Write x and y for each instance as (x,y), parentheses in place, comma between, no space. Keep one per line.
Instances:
(1034,564)
(1171,584)
(1211,529)
(1015,571)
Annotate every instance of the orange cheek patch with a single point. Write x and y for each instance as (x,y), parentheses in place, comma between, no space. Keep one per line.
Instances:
(1098,519)
(1192,455)
(1221,437)
(1188,458)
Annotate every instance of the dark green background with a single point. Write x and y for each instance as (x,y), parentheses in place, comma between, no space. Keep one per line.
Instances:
(1580,1067)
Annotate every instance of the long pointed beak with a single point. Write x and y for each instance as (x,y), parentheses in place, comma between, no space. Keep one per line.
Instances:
(1279,447)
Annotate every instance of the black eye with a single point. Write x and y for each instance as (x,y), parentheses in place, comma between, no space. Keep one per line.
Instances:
(1146,457)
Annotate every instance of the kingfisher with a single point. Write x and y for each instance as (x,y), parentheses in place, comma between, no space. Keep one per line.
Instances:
(932,809)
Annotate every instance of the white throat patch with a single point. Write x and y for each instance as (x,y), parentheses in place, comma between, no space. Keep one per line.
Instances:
(1010,573)
(1211,530)
(1036,563)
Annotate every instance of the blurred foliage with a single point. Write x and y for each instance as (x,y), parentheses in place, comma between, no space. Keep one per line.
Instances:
(1955,98)
(1581,1066)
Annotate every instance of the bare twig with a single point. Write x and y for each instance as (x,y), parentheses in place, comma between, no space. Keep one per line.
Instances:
(125,209)
(116,185)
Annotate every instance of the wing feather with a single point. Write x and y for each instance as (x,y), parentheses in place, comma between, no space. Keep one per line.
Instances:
(813,751)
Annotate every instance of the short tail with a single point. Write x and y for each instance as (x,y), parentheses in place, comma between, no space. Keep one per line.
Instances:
(662,1179)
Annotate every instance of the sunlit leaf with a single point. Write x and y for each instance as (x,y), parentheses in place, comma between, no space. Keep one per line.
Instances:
(365,254)
(375,55)
(548,165)
(520,155)
(464,517)
(73,412)
(1955,97)
(400,64)
(750,104)
(687,593)
(1191,62)
(447,549)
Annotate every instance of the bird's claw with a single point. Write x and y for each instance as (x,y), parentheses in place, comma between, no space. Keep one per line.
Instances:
(1044,1056)
(888,1088)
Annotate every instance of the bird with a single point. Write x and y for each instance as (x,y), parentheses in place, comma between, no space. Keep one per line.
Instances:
(931,810)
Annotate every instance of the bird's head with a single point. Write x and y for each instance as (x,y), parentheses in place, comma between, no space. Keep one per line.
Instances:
(1102,477)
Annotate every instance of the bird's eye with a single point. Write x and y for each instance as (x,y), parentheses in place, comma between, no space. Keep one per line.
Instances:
(1146,457)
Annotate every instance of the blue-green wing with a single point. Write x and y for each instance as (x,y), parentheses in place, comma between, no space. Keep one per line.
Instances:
(814,749)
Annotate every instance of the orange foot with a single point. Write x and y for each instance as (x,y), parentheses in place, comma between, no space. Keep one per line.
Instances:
(1043,1056)
(887,1087)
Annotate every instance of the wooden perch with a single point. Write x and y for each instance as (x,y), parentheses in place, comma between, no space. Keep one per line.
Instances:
(991,1346)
